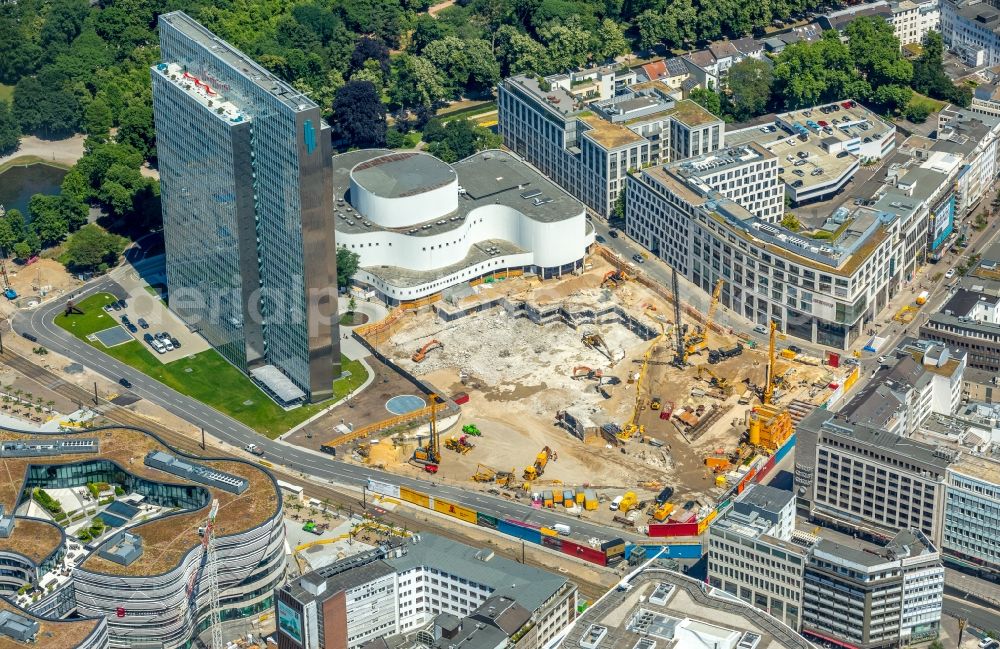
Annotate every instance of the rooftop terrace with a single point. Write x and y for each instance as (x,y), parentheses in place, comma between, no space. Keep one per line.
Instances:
(34,539)
(165,540)
(52,634)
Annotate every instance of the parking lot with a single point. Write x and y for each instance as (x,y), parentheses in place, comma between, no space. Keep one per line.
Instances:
(143,308)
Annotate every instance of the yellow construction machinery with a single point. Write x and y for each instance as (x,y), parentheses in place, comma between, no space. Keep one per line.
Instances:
(422,352)
(596,341)
(661,512)
(697,341)
(714,379)
(459,444)
(769,427)
(613,278)
(486,473)
(655,403)
(628,503)
(769,379)
(632,426)
(535,471)
(430,453)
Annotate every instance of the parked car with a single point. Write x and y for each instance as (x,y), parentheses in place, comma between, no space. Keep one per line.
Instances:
(613,234)
(125,383)
(843,154)
(176,343)
(167,344)
(123,304)
(761,329)
(599,239)
(116,306)
(143,323)
(797,184)
(950,273)
(798,172)
(125,320)
(638,259)
(131,327)
(795,349)
(148,338)
(107,307)
(883,360)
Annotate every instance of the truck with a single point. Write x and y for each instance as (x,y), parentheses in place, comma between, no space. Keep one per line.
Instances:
(253,449)
(922,298)
(616,503)
(312,527)
(562,528)
(745,397)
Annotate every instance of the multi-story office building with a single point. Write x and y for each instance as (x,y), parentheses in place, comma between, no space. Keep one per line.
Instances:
(926,378)
(911,20)
(971,28)
(421,226)
(972,513)
(970,319)
(586,130)
(870,480)
(751,553)
(146,575)
(247,195)
(403,591)
(874,598)
(655,607)
(972,137)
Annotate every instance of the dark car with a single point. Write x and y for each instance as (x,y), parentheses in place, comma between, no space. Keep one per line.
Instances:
(599,239)
(176,343)
(795,348)
(148,337)
(125,382)
(842,154)
(123,304)
(30,337)
(664,495)
(116,306)
(613,234)
(131,327)
(143,323)
(125,320)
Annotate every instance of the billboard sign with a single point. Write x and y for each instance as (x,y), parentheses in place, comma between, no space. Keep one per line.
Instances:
(289,621)
(384,488)
(942,222)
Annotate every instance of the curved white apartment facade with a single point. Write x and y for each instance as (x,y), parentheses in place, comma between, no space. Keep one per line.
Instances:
(493,215)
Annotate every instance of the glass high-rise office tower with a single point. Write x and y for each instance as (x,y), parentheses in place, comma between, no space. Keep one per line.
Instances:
(247,194)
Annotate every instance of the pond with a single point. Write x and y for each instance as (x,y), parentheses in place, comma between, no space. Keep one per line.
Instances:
(19,184)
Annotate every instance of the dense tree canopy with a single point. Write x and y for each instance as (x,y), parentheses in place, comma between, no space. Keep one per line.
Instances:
(749,88)
(10,130)
(930,78)
(359,114)
(92,248)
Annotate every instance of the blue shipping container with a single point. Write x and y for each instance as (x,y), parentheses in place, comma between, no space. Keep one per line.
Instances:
(523,533)
(673,551)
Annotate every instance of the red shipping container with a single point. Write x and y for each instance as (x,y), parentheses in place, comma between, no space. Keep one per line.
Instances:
(833,359)
(584,552)
(673,529)
(461,397)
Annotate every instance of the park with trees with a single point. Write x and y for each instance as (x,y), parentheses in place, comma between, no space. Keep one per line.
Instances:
(381,70)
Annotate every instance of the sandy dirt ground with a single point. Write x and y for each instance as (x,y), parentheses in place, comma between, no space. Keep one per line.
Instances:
(519,375)
(64,152)
(44,276)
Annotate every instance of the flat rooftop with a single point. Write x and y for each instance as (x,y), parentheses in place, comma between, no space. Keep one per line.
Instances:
(927,454)
(851,121)
(165,540)
(488,177)
(608,135)
(52,634)
(662,605)
(202,92)
(976,466)
(479,253)
(34,539)
(529,586)
(402,174)
(832,169)
(243,64)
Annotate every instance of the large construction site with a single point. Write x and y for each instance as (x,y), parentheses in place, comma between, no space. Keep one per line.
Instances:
(593,390)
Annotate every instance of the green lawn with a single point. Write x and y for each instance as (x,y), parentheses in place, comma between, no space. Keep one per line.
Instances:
(6,92)
(206,376)
(934,105)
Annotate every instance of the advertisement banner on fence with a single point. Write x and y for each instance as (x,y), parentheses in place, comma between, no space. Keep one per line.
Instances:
(415,497)
(451,509)
(486,521)
(673,529)
(384,488)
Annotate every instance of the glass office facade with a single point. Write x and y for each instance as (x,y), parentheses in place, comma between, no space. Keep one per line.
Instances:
(247,206)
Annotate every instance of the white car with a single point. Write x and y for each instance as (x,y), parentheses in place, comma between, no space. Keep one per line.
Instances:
(950,273)
(883,360)
(158,346)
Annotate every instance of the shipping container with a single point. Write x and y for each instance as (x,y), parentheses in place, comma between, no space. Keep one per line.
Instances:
(584,552)
(519,532)
(567,494)
(553,542)
(580,497)
(672,529)
(557,497)
(484,520)
(460,398)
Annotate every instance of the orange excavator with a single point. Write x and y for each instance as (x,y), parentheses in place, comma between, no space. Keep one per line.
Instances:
(422,352)
(583,372)
(613,277)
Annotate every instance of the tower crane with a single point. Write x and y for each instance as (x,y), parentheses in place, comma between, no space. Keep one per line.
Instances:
(699,341)
(431,452)
(680,353)
(769,378)
(212,576)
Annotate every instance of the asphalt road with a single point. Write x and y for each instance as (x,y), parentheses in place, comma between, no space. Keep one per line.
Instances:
(310,463)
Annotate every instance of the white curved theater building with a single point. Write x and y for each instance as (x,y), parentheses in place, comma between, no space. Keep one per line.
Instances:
(421,225)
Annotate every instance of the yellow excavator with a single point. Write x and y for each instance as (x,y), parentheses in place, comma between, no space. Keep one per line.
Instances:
(535,471)
(714,379)
(698,340)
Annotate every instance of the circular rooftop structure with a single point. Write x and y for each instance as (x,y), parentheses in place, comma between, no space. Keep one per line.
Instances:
(402,189)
